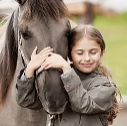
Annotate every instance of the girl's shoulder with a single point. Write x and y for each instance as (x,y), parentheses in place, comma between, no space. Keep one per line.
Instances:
(100,79)
(95,78)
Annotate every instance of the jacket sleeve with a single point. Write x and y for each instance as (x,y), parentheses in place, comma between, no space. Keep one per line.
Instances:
(98,99)
(26,94)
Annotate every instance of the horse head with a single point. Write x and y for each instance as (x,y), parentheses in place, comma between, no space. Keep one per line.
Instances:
(38,23)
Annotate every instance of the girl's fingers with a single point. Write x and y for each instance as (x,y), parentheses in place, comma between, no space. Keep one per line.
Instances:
(44,57)
(46,63)
(47,53)
(50,54)
(49,66)
(45,50)
(41,57)
(34,51)
(49,63)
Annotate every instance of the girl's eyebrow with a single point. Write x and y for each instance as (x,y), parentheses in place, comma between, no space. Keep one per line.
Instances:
(83,49)
(94,49)
(79,50)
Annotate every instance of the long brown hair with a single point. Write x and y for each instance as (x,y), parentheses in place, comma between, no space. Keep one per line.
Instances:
(92,33)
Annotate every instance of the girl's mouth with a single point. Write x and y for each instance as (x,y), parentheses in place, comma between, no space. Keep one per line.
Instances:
(87,65)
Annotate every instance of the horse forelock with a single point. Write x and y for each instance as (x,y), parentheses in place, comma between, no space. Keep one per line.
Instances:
(42,8)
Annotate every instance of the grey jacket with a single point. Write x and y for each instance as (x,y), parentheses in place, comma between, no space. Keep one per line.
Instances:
(90,97)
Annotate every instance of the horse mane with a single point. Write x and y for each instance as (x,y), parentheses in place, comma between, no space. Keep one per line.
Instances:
(54,8)
(8,60)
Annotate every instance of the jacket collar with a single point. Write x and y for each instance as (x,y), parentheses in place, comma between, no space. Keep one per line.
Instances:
(81,74)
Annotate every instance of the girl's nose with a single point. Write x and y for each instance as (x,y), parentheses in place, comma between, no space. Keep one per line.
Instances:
(86,57)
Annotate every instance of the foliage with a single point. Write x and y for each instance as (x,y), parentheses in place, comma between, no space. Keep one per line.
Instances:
(114,31)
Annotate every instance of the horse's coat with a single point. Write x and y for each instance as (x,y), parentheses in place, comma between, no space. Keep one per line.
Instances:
(39,23)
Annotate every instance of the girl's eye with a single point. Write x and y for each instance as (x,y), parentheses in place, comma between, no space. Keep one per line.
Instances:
(93,52)
(80,53)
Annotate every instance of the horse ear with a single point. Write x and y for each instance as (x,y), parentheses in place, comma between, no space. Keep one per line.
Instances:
(21,2)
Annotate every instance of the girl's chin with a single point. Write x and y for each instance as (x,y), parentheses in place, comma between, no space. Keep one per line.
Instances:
(86,70)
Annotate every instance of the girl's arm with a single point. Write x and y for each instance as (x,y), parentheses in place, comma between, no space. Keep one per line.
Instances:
(97,99)
(26,93)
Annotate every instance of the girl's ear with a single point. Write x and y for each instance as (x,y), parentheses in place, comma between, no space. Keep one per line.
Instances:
(21,2)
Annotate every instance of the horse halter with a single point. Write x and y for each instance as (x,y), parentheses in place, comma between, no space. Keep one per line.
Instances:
(25,60)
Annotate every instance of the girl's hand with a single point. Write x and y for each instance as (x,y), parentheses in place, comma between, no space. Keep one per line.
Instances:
(37,60)
(56,61)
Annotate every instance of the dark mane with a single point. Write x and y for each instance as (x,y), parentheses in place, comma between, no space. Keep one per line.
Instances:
(8,60)
(54,8)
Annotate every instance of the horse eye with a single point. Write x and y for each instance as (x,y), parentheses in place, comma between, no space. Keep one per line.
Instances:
(25,35)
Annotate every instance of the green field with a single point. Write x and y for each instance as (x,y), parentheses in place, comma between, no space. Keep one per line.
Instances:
(114,31)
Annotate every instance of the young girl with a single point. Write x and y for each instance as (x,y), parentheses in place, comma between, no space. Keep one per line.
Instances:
(91,90)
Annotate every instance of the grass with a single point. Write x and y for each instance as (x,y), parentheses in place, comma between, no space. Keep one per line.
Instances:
(114,31)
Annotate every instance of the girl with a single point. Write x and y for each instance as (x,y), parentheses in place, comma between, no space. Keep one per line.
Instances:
(91,90)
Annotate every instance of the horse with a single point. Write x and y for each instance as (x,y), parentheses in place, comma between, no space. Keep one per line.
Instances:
(33,23)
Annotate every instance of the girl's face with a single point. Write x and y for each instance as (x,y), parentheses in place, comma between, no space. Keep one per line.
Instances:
(86,55)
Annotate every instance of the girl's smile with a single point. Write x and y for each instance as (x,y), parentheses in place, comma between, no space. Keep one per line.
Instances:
(87,65)
(86,55)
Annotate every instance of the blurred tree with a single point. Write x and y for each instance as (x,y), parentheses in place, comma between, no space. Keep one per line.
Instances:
(89,15)
(84,11)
